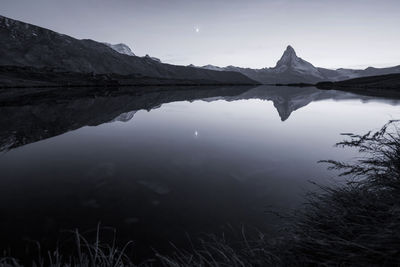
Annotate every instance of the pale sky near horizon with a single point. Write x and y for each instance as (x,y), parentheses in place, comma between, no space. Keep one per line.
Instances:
(253,33)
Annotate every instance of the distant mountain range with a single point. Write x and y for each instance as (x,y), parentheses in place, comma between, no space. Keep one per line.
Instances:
(293,69)
(26,45)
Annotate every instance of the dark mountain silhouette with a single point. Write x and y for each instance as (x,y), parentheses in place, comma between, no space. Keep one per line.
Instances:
(28,77)
(23,44)
(379,82)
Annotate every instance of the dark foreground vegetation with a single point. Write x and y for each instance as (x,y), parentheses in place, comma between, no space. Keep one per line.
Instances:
(352,224)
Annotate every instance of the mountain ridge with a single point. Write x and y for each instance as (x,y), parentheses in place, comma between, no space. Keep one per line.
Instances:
(23,44)
(27,45)
(293,69)
(121,48)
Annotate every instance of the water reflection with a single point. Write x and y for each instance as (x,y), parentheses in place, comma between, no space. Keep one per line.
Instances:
(30,118)
(157,163)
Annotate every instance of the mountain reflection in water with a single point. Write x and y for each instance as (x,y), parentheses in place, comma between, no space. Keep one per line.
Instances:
(29,118)
(160,163)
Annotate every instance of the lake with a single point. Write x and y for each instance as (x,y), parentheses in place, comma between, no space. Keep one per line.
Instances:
(162,164)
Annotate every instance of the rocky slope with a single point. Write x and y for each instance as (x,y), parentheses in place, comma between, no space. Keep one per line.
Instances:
(121,48)
(23,44)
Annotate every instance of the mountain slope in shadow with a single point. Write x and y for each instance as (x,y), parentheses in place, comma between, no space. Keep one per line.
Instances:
(23,44)
(380,85)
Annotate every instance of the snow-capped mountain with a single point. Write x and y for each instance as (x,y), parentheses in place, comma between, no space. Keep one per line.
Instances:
(121,48)
(27,45)
(289,69)
(292,69)
(126,50)
(125,117)
(291,62)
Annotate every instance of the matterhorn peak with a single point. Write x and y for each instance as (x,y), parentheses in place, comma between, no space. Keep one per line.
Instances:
(291,62)
(290,50)
(288,57)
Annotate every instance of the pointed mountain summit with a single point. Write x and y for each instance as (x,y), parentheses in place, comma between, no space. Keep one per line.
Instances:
(289,69)
(293,69)
(289,57)
(290,62)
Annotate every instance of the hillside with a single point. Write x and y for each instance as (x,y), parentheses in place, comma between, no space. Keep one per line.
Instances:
(20,77)
(380,82)
(23,44)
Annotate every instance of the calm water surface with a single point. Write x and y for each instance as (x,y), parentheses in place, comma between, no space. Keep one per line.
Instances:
(162,164)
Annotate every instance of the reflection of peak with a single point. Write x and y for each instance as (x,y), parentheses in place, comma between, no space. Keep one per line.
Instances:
(125,117)
(35,118)
(287,99)
(283,108)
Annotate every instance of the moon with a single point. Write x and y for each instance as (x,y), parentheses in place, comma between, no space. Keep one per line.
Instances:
(197,30)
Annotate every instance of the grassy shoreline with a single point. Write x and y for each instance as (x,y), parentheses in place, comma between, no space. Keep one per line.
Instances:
(355,224)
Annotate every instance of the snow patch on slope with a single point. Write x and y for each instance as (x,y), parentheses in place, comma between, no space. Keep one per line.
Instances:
(121,48)
(125,117)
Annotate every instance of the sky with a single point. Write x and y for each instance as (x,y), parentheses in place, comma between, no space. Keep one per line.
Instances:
(245,33)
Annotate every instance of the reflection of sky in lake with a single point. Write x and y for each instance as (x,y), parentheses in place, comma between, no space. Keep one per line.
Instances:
(185,166)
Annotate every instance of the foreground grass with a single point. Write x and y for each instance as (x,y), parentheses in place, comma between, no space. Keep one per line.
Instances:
(355,224)
(358,223)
